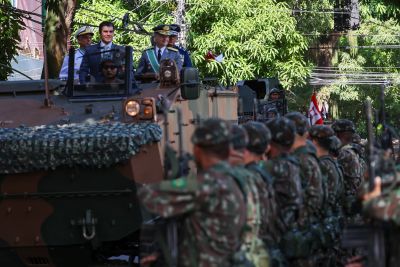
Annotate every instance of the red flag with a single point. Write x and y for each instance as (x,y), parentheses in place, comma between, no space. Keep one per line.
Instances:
(210,56)
(314,113)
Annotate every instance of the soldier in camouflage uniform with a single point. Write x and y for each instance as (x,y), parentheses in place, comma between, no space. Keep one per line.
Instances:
(286,183)
(259,139)
(211,204)
(350,163)
(310,173)
(323,138)
(311,181)
(325,142)
(257,197)
(359,148)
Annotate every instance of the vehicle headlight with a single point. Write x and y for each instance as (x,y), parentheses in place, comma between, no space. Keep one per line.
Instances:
(167,74)
(132,108)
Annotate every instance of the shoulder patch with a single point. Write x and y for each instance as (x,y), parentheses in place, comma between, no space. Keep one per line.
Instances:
(172,49)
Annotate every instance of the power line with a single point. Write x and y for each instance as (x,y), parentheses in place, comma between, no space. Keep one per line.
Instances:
(383,46)
(148,15)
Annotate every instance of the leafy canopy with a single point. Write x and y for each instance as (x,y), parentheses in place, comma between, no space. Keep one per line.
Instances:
(10,25)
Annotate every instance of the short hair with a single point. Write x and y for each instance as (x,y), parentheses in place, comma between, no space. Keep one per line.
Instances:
(105,23)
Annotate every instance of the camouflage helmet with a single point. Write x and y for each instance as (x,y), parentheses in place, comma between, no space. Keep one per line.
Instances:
(282,131)
(238,137)
(274,90)
(343,125)
(211,132)
(321,131)
(259,137)
(335,144)
(300,121)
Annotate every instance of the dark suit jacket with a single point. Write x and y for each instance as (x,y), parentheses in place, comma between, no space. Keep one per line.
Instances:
(91,62)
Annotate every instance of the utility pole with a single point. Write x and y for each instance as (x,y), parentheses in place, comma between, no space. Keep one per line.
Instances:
(180,20)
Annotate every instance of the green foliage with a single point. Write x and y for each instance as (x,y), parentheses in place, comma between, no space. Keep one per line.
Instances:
(10,25)
(257,38)
(149,14)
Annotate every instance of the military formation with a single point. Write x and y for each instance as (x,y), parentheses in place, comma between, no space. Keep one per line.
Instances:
(273,192)
(265,194)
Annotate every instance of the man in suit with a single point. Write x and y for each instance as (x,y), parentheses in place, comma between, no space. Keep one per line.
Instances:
(90,70)
(149,63)
(174,32)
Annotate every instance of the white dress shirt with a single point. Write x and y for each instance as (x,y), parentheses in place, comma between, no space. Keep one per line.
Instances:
(79,53)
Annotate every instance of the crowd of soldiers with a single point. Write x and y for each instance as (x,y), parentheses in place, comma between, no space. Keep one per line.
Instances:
(266,194)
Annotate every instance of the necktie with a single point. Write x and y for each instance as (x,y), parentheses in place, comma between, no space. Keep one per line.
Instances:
(106,53)
(159,55)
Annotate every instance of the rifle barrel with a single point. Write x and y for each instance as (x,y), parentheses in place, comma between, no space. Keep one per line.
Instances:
(371,171)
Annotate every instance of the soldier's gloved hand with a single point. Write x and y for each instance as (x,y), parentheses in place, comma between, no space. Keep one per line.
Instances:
(376,192)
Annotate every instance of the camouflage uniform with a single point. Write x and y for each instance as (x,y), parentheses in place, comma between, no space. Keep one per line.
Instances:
(359,148)
(333,185)
(212,205)
(310,173)
(350,163)
(331,171)
(286,179)
(259,138)
(385,208)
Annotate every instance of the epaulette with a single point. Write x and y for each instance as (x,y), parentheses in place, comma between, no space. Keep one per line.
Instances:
(172,49)
(149,48)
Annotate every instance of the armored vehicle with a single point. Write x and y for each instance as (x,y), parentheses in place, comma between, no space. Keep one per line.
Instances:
(261,100)
(72,157)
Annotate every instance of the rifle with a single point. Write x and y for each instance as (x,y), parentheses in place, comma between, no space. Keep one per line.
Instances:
(370,150)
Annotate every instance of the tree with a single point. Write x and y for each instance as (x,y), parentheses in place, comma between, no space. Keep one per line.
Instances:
(257,37)
(57,31)
(10,25)
(379,28)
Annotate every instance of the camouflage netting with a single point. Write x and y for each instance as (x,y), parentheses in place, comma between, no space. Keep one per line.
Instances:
(27,149)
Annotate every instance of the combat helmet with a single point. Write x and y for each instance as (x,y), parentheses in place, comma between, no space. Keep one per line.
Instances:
(300,121)
(282,131)
(238,137)
(259,137)
(343,125)
(321,131)
(211,132)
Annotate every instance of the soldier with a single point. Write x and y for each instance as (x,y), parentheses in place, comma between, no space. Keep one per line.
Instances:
(174,32)
(254,153)
(149,63)
(310,173)
(286,184)
(325,141)
(211,204)
(311,181)
(257,199)
(359,148)
(350,163)
(323,138)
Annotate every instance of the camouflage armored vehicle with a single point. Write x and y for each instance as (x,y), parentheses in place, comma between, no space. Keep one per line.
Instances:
(69,171)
